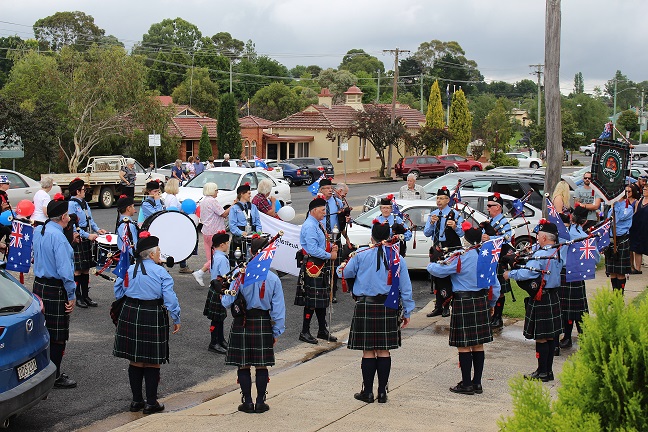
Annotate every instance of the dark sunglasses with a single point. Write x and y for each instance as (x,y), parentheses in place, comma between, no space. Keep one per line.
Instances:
(491,205)
(587,178)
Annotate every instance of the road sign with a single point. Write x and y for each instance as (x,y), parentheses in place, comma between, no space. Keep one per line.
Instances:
(344,146)
(11,145)
(154,140)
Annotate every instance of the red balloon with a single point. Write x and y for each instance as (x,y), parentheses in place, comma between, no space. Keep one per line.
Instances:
(25,208)
(198,211)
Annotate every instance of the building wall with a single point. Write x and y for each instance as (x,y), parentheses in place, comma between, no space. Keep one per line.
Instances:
(249,137)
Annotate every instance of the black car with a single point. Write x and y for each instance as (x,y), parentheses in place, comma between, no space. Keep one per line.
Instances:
(295,175)
(316,167)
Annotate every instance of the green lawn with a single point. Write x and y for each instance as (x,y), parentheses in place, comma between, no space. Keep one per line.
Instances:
(515,309)
(637,300)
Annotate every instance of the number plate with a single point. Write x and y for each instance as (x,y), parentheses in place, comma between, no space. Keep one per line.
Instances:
(26,370)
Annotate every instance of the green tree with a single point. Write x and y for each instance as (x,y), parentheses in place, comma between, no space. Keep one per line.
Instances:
(276,101)
(357,60)
(7,44)
(526,88)
(337,82)
(427,140)
(75,29)
(626,95)
(460,123)
(227,45)
(169,70)
(435,115)
(448,60)
(170,33)
(205,148)
(228,131)
(590,113)
(579,84)
(480,105)
(198,91)
(629,121)
(498,128)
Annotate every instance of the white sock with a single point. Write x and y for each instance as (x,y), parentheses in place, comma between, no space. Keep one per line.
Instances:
(199,272)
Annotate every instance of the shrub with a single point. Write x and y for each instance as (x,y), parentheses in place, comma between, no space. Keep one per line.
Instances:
(502,159)
(576,162)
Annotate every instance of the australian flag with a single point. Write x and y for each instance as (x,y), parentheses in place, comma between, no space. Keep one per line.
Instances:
(607,131)
(581,260)
(257,269)
(455,198)
(124,257)
(604,237)
(518,207)
(20,247)
(396,210)
(314,188)
(552,216)
(487,260)
(258,162)
(393,297)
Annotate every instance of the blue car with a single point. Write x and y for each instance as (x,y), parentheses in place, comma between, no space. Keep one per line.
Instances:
(293,174)
(26,373)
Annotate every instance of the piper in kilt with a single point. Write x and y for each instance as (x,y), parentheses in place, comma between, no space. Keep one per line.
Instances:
(214,310)
(617,255)
(88,230)
(54,281)
(470,326)
(244,220)
(253,335)
(542,320)
(395,222)
(375,328)
(332,223)
(126,225)
(142,334)
(315,272)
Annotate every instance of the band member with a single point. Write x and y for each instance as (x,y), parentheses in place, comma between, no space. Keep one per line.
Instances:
(375,328)
(333,223)
(500,227)
(341,190)
(469,323)
(214,310)
(587,197)
(243,220)
(253,335)
(153,202)
(54,281)
(125,221)
(315,277)
(5,184)
(396,224)
(617,255)
(542,320)
(142,334)
(411,190)
(444,227)
(88,232)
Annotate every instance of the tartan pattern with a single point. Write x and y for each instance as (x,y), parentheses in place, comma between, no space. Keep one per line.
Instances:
(214,310)
(142,333)
(83,257)
(618,262)
(505,284)
(250,341)
(316,290)
(374,327)
(470,322)
(573,299)
(57,320)
(543,319)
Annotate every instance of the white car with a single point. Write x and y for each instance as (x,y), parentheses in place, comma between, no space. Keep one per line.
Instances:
(524,161)
(418,211)
(274,169)
(23,187)
(587,149)
(228,179)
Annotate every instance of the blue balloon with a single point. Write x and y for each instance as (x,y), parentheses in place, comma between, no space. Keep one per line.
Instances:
(189,206)
(277,205)
(172,208)
(4,217)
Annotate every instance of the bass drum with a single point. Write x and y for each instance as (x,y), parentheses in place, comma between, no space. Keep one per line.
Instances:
(176,231)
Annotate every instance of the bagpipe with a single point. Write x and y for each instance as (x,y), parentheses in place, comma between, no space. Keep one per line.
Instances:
(346,283)
(344,212)
(446,255)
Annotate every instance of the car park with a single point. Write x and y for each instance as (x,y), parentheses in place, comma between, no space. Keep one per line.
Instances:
(26,373)
(316,167)
(293,174)
(525,161)
(23,187)
(424,165)
(462,163)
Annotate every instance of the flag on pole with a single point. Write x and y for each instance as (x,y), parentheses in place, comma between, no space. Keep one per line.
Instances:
(245,105)
(393,297)
(581,260)
(258,162)
(121,269)
(314,188)
(607,131)
(20,247)
(257,269)
(604,236)
(487,260)
(552,215)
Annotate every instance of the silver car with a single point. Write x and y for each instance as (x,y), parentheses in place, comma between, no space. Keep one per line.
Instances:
(23,187)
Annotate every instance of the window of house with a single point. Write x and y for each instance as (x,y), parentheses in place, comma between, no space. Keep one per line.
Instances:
(291,150)
(363,149)
(302,149)
(339,149)
(253,149)
(188,149)
(246,149)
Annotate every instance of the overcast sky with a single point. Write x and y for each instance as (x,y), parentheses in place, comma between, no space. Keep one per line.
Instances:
(503,36)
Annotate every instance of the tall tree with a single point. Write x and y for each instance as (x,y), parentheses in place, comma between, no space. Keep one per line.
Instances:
(75,29)
(498,128)
(204,148)
(629,121)
(228,131)
(460,123)
(227,45)
(579,84)
(276,101)
(357,60)
(7,47)
(199,91)
(337,82)
(480,105)
(434,118)
(170,33)
(448,60)
(626,95)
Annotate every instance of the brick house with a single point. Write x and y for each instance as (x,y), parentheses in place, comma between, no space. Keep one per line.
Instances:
(252,136)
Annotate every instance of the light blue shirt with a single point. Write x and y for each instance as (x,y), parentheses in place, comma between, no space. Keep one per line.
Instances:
(75,207)
(54,257)
(156,284)
(219,265)
(502,226)
(333,205)
(149,208)
(198,167)
(273,300)
(390,221)
(369,282)
(553,265)
(132,227)
(312,238)
(466,279)
(623,217)
(430,228)
(237,218)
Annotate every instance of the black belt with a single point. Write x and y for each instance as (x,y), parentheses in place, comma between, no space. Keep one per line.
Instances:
(49,281)
(378,299)
(256,312)
(469,294)
(156,302)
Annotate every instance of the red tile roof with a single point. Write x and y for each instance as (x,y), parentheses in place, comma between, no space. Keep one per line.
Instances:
(191,127)
(254,122)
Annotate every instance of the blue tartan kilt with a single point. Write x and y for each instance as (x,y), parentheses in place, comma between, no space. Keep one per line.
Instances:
(83,258)
(543,319)
(142,333)
(54,297)
(251,340)
(374,327)
(470,321)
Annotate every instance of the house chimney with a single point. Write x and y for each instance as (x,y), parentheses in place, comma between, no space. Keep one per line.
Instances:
(354,98)
(325,98)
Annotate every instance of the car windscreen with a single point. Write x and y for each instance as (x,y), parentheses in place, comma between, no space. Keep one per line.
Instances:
(325,161)
(225,180)
(289,166)
(13,298)
(448,180)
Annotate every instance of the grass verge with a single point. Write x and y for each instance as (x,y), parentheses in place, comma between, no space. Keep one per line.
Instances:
(515,309)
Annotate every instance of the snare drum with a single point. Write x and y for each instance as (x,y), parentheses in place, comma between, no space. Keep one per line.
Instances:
(104,247)
(176,231)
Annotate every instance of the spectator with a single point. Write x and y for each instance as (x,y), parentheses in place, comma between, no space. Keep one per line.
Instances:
(264,200)
(177,172)
(210,163)
(198,166)
(586,196)
(411,190)
(41,199)
(127,176)
(639,228)
(191,169)
(226,162)
(151,167)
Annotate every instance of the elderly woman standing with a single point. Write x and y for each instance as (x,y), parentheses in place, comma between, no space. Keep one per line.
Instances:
(264,200)
(41,199)
(177,172)
(212,216)
(128,176)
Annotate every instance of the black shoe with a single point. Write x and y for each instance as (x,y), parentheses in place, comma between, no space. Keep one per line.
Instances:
(382,397)
(90,302)
(565,343)
(326,335)
(544,376)
(435,312)
(64,382)
(246,407)
(261,407)
(478,388)
(137,406)
(81,303)
(364,397)
(550,376)
(445,312)
(217,349)
(223,344)
(556,351)
(152,409)
(497,323)
(462,389)
(308,338)
(334,300)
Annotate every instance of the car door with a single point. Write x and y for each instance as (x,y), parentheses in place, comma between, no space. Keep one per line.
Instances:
(19,189)
(141,176)
(435,167)
(509,187)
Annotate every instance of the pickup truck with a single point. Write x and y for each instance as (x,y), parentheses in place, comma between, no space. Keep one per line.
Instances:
(101,176)
(639,151)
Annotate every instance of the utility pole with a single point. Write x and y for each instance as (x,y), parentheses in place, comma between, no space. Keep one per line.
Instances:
(422,93)
(396,52)
(538,72)
(378,91)
(191,79)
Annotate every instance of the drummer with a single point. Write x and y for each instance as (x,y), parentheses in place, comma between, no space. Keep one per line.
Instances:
(125,221)
(153,202)
(243,220)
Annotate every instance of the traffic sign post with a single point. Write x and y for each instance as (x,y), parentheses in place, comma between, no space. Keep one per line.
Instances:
(344,147)
(155,141)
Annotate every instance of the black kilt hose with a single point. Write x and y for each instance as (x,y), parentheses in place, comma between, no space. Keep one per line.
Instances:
(619,262)
(470,319)
(251,339)
(573,299)
(142,333)
(543,319)
(54,297)
(83,259)
(214,310)
(374,326)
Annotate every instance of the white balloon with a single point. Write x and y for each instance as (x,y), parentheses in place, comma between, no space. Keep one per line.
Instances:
(194,218)
(286,213)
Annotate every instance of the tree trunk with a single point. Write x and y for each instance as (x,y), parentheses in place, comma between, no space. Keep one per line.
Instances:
(381,172)
(552,98)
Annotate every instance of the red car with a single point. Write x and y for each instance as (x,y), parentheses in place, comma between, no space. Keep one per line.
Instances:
(463,163)
(424,166)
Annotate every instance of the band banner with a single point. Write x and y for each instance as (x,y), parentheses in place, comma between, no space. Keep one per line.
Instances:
(287,245)
(610,167)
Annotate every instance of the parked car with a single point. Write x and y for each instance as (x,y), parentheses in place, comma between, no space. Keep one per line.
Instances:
(165,170)
(316,167)
(462,163)
(274,169)
(587,149)
(418,211)
(23,187)
(293,174)
(424,166)
(228,179)
(26,373)
(525,161)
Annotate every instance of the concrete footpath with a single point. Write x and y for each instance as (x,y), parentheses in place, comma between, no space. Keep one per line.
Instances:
(317,394)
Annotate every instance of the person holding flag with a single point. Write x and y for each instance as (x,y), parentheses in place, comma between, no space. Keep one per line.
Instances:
(617,256)
(375,328)
(334,211)
(391,215)
(243,221)
(252,336)
(126,229)
(315,186)
(472,307)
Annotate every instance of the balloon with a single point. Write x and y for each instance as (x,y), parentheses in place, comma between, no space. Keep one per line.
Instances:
(194,218)
(286,213)
(198,211)
(4,217)
(25,208)
(173,208)
(189,206)
(277,205)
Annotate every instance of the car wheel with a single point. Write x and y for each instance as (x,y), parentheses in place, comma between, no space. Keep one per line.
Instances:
(588,153)
(475,168)
(534,165)
(309,180)
(523,242)
(106,197)
(415,173)
(450,170)
(635,157)
(289,180)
